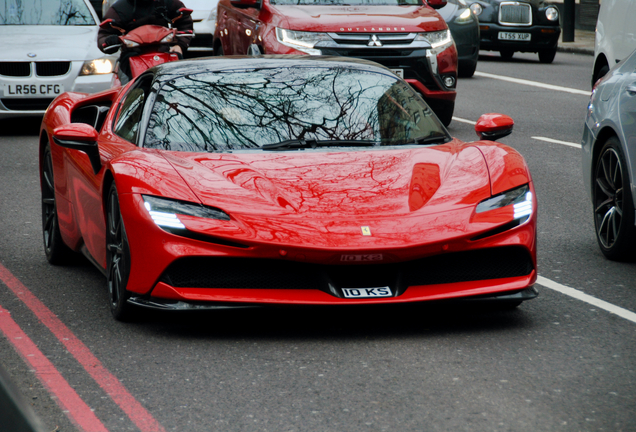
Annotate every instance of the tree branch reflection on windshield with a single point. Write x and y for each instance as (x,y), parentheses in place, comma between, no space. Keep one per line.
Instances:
(247,109)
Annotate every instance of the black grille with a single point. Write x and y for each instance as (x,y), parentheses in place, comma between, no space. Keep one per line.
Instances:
(27,104)
(52,68)
(212,272)
(15,69)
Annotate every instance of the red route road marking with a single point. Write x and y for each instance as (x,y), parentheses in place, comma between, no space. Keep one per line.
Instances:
(106,380)
(80,413)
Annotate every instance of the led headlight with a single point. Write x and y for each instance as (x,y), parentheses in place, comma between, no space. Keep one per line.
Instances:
(476,8)
(164,211)
(552,13)
(520,198)
(302,41)
(464,17)
(439,40)
(98,66)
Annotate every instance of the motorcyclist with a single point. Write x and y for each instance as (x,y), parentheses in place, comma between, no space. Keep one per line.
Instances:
(130,14)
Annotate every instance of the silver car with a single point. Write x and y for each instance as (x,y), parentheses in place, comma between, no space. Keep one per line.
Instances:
(609,159)
(48,47)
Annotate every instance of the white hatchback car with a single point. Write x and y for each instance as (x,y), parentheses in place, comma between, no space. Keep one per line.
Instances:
(204,17)
(48,47)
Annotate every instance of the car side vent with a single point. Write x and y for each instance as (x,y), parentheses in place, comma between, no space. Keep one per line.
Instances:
(93,115)
(15,69)
(52,68)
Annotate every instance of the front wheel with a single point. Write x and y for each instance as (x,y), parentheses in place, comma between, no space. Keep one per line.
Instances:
(547,56)
(613,204)
(118,258)
(54,248)
(466,69)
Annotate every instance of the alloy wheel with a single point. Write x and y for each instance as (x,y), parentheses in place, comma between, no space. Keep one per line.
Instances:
(608,197)
(118,258)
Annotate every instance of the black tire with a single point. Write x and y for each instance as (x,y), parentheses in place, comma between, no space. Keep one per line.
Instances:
(600,74)
(56,251)
(613,204)
(444,110)
(118,259)
(547,55)
(466,69)
(218,51)
(506,54)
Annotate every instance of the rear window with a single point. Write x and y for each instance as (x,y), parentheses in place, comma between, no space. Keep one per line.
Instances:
(45,12)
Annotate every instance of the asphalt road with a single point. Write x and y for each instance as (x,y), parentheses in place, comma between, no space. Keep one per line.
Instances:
(555,364)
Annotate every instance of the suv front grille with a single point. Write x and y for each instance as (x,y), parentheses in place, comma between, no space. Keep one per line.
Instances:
(514,13)
(15,69)
(52,68)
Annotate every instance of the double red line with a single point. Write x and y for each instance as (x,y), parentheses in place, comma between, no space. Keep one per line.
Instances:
(79,413)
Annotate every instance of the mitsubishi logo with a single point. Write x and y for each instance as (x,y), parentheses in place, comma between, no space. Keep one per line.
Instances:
(374,41)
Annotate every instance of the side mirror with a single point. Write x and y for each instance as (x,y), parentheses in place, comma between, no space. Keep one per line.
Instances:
(436,4)
(111,23)
(246,3)
(493,126)
(182,12)
(82,137)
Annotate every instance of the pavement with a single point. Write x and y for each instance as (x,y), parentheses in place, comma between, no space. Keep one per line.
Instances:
(583,43)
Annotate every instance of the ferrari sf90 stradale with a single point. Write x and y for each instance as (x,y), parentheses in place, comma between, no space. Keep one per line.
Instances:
(240,181)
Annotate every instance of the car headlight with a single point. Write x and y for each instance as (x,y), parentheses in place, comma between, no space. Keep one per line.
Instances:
(476,8)
(552,13)
(520,198)
(439,40)
(464,17)
(130,44)
(302,41)
(164,211)
(98,66)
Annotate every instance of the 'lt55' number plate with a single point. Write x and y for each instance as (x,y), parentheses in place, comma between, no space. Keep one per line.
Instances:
(367,292)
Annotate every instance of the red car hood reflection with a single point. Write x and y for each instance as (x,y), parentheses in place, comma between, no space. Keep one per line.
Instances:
(361,19)
(320,184)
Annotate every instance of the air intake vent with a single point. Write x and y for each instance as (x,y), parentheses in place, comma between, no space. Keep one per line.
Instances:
(27,104)
(52,68)
(15,69)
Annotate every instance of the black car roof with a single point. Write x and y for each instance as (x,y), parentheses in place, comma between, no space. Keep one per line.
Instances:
(170,70)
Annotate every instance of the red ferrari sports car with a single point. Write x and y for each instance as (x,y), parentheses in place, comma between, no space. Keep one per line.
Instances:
(240,181)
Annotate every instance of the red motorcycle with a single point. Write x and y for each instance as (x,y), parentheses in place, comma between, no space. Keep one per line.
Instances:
(148,45)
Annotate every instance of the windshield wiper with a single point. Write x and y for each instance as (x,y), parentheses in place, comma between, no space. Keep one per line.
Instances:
(311,143)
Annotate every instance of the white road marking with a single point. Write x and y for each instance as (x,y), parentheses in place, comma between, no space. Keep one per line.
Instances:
(579,295)
(550,140)
(461,120)
(535,84)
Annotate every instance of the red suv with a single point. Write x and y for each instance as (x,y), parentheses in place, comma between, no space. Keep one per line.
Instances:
(406,36)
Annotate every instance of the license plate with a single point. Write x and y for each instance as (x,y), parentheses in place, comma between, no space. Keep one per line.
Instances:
(33,90)
(514,36)
(398,72)
(367,292)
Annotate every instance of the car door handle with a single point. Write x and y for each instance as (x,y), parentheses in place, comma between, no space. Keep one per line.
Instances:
(631,89)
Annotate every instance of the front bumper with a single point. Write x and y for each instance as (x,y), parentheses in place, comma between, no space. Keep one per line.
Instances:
(12,105)
(173,271)
(541,37)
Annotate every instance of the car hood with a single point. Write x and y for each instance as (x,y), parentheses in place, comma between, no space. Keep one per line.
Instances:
(75,43)
(361,19)
(380,183)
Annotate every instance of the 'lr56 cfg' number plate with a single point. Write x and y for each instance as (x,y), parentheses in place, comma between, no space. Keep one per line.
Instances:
(367,292)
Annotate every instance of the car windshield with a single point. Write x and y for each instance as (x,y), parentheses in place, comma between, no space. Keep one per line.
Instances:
(295,107)
(348,2)
(45,12)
